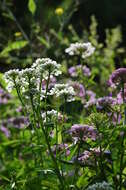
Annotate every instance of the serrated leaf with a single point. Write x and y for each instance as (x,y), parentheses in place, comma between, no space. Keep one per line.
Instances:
(32,6)
(13,46)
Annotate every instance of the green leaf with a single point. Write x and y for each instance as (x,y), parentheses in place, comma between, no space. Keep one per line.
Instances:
(4,178)
(13,46)
(32,6)
(2,81)
(44,42)
(12,142)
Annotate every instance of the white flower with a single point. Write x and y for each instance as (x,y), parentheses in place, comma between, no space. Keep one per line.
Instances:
(63,90)
(45,66)
(49,115)
(83,49)
(28,72)
(11,77)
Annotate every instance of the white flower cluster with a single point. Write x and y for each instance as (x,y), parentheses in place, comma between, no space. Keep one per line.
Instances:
(28,80)
(52,114)
(45,66)
(65,90)
(83,49)
(11,77)
(100,186)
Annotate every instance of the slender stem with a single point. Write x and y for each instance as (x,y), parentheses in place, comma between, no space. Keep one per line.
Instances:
(31,100)
(47,85)
(76,161)
(51,154)
(101,164)
(45,132)
(40,89)
(19,96)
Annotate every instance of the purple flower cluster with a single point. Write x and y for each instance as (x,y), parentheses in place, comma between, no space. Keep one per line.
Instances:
(5,131)
(106,101)
(79,89)
(16,122)
(89,155)
(117,77)
(120,96)
(115,117)
(91,98)
(61,148)
(4,97)
(83,132)
(84,157)
(75,70)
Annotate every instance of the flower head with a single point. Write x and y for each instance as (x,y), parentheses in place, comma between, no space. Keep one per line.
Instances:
(45,66)
(91,96)
(83,49)
(65,90)
(75,70)
(5,131)
(83,132)
(59,11)
(79,89)
(106,101)
(61,148)
(117,77)
(84,157)
(11,77)
(100,186)
(16,122)
(4,97)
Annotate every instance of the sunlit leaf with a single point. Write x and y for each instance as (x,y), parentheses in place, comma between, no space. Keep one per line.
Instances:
(32,6)
(13,46)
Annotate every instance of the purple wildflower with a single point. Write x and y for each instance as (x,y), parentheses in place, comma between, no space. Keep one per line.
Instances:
(91,98)
(16,122)
(106,101)
(19,109)
(79,89)
(86,71)
(5,131)
(84,157)
(75,70)
(97,151)
(88,155)
(117,77)
(120,96)
(83,132)
(72,71)
(61,148)
(115,117)
(4,97)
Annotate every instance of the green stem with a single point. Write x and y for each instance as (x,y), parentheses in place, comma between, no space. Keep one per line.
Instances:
(20,98)
(52,155)
(76,161)
(40,89)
